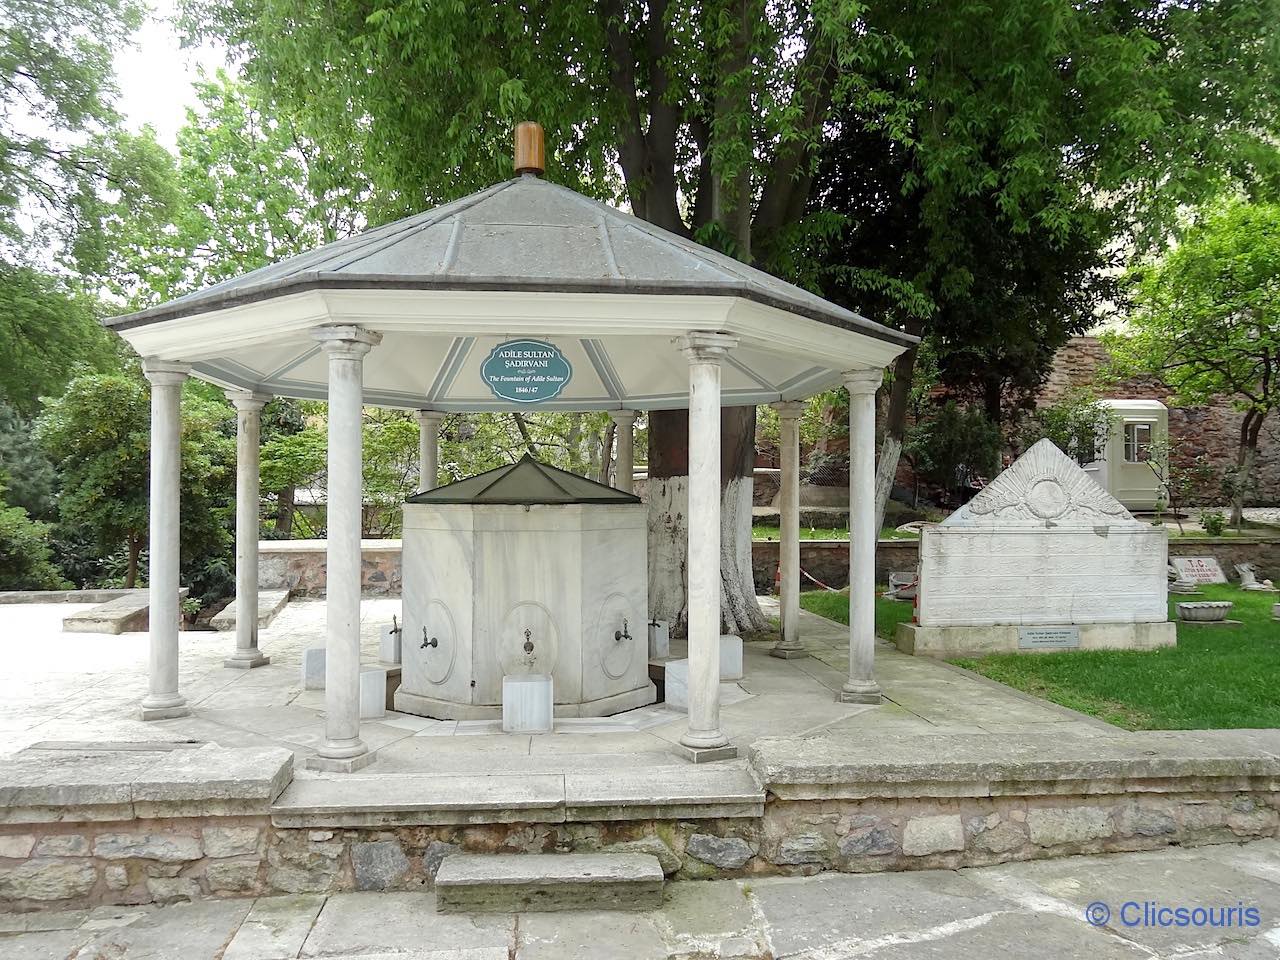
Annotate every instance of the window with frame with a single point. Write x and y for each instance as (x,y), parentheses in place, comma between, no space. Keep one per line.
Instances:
(1137,442)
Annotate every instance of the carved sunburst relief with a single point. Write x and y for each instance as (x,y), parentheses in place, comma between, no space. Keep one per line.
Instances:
(1043,486)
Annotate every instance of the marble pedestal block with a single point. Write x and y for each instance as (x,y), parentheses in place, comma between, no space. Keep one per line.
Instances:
(730,657)
(659,639)
(313,668)
(677,684)
(373,693)
(389,644)
(528,703)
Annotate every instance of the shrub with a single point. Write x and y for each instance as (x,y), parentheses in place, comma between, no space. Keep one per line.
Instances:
(24,553)
(1214,522)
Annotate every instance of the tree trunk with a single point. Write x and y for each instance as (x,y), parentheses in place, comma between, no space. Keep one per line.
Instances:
(668,498)
(895,430)
(284,512)
(131,571)
(1250,428)
(606,451)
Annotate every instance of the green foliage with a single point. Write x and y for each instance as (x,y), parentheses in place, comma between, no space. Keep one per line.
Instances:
(246,189)
(50,334)
(952,445)
(25,561)
(1206,320)
(1214,522)
(26,475)
(1077,424)
(1206,315)
(56,138)
(98,435)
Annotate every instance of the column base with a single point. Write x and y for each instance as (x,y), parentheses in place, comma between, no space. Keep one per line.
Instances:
(784,652)
(339,765)
(167,708)
(253,659)
(705,754)
(860,693)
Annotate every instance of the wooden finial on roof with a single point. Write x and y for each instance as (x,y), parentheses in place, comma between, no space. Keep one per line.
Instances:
(530,149)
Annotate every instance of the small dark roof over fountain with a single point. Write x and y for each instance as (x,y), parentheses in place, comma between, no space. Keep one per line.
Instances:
(527,481)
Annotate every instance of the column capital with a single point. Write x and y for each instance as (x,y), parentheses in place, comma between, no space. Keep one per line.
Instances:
(165,373)
(248,400)
(863,381)
(789,409)
(346,341)
(624,417)
(706,345)
(426,418)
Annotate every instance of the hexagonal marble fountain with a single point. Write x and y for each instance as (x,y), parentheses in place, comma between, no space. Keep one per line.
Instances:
(526,569)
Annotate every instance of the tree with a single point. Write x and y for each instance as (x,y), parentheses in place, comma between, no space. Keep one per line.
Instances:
(976,197)
(709,112)
(1206,320)
(25,562)
(951,446)
(1077,424)
(713,114)
(247,188)
(27,476)
(61,150)
(98,435)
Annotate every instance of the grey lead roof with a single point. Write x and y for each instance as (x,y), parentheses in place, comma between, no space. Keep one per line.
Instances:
(522,234)
(525,481)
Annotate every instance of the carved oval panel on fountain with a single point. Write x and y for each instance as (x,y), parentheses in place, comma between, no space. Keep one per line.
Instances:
(1047,498)
(617,616)
(529,641)
(441,636)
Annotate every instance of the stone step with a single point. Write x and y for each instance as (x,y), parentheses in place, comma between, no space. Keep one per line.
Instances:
(128,613)
(270,603)
(507,883)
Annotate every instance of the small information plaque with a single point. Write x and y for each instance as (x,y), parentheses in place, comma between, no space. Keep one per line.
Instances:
(1199,569)
(1048,638)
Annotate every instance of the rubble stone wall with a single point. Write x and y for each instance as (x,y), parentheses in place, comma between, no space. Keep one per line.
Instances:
(73,864)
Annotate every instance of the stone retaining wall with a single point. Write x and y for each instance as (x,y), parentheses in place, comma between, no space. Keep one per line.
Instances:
(856,806)
(181,859)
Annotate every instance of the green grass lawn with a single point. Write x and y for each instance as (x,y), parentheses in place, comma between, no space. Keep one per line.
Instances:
(835,606)
(1216,677)
(761,532)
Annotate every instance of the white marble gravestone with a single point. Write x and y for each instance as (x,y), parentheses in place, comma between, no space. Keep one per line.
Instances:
(1043,545)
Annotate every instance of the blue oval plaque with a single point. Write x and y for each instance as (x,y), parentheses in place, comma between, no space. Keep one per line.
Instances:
(526,371)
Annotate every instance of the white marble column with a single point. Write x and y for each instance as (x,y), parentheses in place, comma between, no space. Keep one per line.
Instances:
(861,687)
(624,469)
(343,750)
(248,442)
(704,740)
(163,701)
(789,646)
(428,448)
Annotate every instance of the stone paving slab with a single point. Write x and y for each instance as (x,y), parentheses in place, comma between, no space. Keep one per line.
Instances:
(1034,909)
(270,603)
(1037,761)
(121,781)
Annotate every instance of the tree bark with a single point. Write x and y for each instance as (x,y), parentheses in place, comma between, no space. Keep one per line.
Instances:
(284,511)
(668,499)
(131,571)
(606,451)
(895,427)
(1250,428)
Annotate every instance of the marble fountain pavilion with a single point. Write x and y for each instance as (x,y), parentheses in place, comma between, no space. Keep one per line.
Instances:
(403,316)
(835,753)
